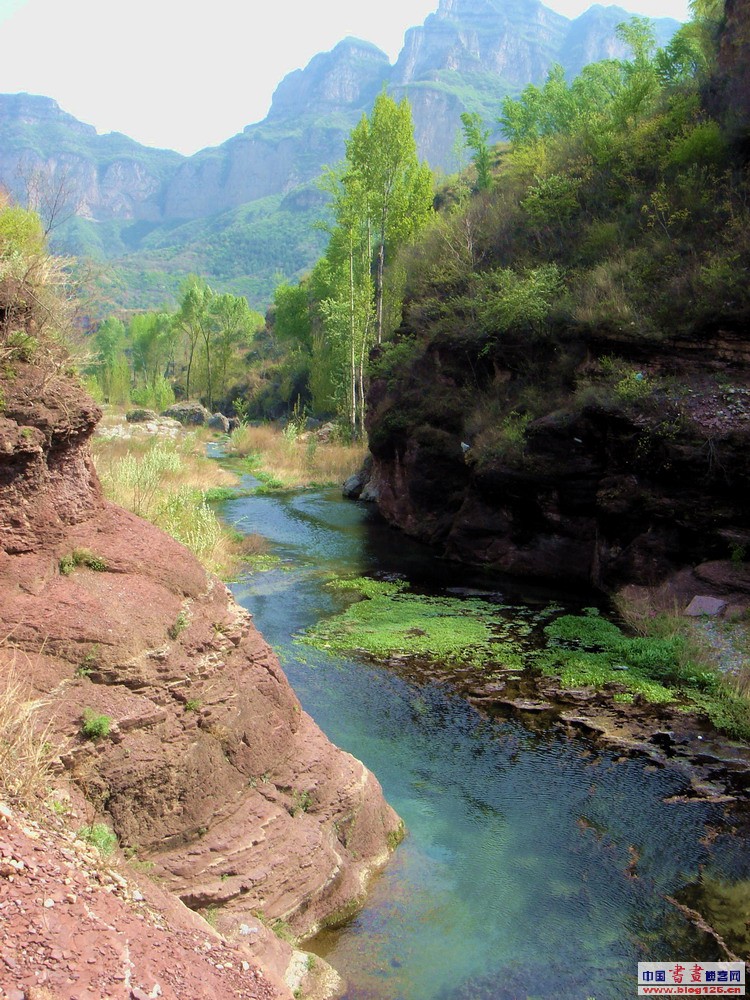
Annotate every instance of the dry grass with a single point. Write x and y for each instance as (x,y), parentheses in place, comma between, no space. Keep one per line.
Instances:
(285,459)
(139,468)
(26,750)
(166,482)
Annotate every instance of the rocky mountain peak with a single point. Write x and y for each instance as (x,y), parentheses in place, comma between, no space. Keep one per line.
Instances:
(347,76)
(512,38)
(18,110)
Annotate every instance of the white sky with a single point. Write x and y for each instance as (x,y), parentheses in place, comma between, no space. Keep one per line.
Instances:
(184,74)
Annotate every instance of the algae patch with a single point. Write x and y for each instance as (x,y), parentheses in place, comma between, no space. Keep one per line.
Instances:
(388,621)
(590,651)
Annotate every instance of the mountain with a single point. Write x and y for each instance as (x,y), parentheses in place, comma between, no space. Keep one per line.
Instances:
(113,177)
(240,213)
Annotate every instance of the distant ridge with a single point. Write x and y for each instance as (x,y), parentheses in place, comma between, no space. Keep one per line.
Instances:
(167,214)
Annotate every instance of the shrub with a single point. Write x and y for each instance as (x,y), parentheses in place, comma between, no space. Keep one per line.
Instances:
(181,622)
(504,299)
(82,557)
(95,726)
(99,836)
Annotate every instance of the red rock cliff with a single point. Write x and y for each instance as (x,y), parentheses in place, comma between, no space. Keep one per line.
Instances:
(241,801)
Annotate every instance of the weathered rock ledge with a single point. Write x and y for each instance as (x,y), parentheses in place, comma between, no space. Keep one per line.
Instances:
(601,490)
(211,770)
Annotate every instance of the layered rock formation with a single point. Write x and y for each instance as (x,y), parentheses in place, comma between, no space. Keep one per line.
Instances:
(210,768)
(604,493)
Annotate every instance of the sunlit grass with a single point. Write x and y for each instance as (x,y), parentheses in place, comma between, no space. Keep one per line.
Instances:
(169,482)
(26,750)
(288,460)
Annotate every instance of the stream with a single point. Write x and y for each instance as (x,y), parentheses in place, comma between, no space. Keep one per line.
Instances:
(535,862)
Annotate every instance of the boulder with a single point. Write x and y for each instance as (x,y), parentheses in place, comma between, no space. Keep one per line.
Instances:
(326,432)
(354,485)
(189,414)
(702,605)
(141,416)
(370,494)
(234,424)
(218,422)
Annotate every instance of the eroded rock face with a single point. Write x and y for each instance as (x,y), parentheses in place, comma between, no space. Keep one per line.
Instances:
(211,768)
(734,66)
(600,492)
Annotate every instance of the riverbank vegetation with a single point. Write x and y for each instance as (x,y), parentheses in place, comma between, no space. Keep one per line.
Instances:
(666,664)
(293,458)
(171,483)
(199,348)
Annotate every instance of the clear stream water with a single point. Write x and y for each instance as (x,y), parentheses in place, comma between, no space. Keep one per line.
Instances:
(535,863)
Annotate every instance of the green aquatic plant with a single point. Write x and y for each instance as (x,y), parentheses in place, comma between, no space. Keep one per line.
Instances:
(368,587)
(590,651)
(390,622)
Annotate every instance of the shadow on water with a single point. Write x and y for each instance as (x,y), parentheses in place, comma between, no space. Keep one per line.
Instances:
(536,864)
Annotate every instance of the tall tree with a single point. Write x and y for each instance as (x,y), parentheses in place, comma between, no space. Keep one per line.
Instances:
(476,137)
(233,324)
(394,189)
(191,320)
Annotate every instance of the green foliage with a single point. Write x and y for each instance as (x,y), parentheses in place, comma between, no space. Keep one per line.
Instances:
(503,300)
(95,726)
(301,802)
(81,557)
(157,396)
(179,625)
(283,931)
(393,623)
(193,705)
(203,342)
(476,137)
(185,515)
(99,836)
(367,587)
(551,200)
(660,667)
(394,358)
(381,198)
(21,232)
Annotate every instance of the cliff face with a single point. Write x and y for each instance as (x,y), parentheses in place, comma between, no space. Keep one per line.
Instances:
(734,66)
(604,493)
(50,152)
(211,769)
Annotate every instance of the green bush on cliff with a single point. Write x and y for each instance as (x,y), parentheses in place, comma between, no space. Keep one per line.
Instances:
(94,725)
(82,557)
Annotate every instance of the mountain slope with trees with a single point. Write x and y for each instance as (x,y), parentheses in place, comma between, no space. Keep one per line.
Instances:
(240,213)
(568,395)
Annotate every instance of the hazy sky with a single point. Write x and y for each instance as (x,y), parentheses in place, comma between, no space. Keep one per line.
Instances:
(184,74)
